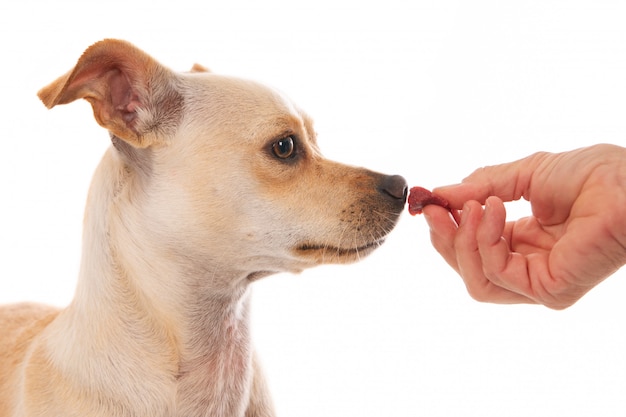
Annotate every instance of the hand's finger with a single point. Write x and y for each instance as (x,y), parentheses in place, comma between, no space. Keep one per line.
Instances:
(442,232)
(502,266)
(525,274)
(471,263)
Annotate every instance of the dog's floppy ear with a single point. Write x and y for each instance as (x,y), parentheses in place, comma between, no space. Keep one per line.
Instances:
(132,95)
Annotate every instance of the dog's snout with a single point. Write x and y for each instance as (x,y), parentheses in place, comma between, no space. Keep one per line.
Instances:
(395,186)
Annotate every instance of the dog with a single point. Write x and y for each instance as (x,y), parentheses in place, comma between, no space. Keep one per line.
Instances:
(210,183)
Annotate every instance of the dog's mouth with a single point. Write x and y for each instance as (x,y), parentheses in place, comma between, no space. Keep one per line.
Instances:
(331,254)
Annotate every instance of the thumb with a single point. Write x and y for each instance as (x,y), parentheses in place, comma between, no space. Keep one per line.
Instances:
(509,181)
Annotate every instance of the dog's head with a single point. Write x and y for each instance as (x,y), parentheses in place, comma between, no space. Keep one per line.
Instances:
(226,171)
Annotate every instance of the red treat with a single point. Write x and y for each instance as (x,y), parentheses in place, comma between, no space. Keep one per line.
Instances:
(420,197)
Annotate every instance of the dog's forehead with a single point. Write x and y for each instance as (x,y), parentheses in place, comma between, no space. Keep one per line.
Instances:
(243,94)
(224,105)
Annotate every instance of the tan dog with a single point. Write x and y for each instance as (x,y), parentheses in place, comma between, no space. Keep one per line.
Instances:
(210,183)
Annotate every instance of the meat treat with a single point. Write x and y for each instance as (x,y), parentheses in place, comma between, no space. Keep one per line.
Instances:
(420,197)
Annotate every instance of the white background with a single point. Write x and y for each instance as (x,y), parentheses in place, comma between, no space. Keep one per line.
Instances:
(427,89)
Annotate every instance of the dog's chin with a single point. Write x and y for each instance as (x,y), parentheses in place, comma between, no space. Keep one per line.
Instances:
(329,254)
(310,254)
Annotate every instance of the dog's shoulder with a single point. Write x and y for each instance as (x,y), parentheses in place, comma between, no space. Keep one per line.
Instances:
(19,323)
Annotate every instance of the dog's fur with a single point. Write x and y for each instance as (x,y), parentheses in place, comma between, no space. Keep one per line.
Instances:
(199,195)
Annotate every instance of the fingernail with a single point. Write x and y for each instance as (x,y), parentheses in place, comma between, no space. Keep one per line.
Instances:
(445,187)
(487,204)
(464,214)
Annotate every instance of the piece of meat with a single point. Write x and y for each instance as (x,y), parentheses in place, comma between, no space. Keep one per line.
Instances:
(420,197)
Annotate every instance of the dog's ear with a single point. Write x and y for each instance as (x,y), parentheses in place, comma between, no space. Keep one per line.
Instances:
(131,94)
(199,68)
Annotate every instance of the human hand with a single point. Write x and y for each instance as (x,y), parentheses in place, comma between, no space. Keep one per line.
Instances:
(575,238)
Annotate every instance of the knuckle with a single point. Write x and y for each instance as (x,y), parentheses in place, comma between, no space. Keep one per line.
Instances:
(479,291)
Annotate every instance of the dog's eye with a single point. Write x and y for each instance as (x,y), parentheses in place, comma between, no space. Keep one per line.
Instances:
(284,148)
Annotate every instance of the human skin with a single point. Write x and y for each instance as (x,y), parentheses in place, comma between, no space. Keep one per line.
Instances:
(574,239)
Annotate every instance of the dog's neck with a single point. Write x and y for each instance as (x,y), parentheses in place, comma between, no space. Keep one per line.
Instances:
(188,351)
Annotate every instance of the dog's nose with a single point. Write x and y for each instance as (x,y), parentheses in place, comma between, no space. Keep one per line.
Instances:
(395,186)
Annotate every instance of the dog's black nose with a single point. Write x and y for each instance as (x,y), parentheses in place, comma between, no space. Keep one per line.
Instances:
(395,186)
